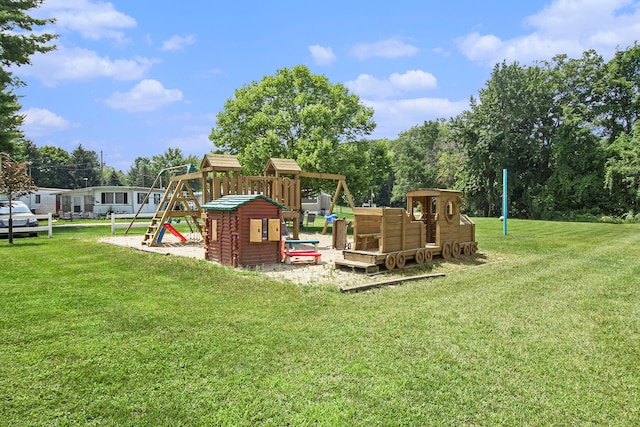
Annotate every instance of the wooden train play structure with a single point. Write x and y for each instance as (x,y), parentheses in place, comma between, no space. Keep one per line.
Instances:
(432,225)
(219,176)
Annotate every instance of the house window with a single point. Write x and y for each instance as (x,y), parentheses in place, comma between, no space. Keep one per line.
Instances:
(107,198)
(77,204)
(117,198)
(156,199)
(38,198)
(121,199)
(142,198)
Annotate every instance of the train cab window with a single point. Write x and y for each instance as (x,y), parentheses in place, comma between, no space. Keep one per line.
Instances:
(417,211)
(450,210)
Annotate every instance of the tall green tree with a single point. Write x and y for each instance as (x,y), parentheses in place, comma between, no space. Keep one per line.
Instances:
(51,169)
(620,92)
(140,174)
(84,164)
(510,126)
(622,171)
(425,156)
(575,185)
(293,114)
(113,177)
(172,158)
(18,42)
(10,119)
(366,165)
(14,182)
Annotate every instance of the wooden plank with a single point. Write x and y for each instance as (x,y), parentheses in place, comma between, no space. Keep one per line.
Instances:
(361,256)
(367,286)
(368,268)
(317,175)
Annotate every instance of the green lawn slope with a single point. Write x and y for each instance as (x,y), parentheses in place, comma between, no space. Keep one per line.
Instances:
(547,332)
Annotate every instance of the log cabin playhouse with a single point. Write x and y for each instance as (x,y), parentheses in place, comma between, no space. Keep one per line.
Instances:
(243,230)
(432,225)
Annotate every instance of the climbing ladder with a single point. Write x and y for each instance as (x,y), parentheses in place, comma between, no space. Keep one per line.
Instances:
(179,201)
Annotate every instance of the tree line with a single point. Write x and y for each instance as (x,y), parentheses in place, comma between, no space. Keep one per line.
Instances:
(565,129)
(54,167)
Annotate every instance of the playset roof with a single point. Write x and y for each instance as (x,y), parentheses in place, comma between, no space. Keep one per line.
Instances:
(282,166)
(220,163)
(233,202)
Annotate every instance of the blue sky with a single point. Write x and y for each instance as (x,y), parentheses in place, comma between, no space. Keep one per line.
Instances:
(132,78)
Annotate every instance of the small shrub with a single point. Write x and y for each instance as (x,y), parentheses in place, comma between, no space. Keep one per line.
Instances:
(629,217)
(609,219)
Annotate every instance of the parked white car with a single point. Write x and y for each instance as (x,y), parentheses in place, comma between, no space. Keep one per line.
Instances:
(21,215)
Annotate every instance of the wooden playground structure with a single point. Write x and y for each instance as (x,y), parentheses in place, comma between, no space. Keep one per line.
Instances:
(431,225)
(220,175)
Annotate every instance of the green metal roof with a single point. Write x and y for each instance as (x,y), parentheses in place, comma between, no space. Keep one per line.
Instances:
(231,203)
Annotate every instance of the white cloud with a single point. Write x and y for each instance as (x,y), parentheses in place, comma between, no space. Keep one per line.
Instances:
(413,80)
(398,115)
(563,27)
(178,42)
(77,64)
(148,95)
(367,85)
(322,55)
(441,51)
(39,122)
(390,48)
(93,20)
(394,112)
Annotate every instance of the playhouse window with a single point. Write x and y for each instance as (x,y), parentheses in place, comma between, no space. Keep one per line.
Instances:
(264,230)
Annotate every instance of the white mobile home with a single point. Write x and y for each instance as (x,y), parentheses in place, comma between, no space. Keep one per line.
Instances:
(43,201)
(107,199)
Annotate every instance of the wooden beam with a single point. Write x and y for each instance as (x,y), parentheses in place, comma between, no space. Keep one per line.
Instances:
(194,175)
(388,282)
(318,175)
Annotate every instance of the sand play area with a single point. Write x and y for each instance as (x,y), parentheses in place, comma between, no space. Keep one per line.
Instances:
(325,273)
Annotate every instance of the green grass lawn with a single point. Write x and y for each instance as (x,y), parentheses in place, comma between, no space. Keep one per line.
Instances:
(546,333)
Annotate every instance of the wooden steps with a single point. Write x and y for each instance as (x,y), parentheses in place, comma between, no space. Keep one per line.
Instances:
(179,201)
(368,268)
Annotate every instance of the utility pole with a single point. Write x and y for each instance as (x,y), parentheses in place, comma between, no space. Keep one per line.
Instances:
(101,170)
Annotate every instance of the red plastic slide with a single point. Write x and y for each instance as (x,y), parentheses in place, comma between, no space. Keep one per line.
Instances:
(175,232)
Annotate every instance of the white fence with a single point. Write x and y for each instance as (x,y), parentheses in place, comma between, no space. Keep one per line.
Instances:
(19,230)
(115,225)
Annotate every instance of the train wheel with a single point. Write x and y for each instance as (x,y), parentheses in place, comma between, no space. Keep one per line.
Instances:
(455,249)
(446,250)
(401,260)
(419,257)
(474,247)
(390,262)
(428,255)
(466,250)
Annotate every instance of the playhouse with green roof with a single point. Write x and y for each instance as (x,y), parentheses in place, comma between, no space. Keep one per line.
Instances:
(243,230)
